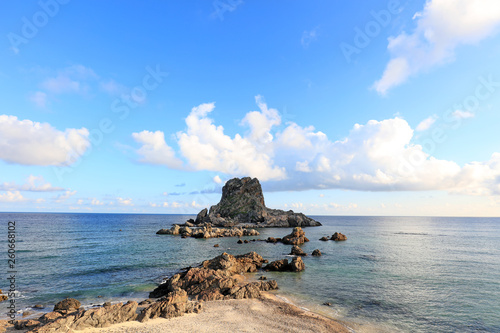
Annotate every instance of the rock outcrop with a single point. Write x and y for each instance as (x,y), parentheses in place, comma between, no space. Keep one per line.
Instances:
(67,304)
(207,231)
(317,253)
(217,279)
(296,265)
(297,251)
(242,203)
(338,237)
(297,237)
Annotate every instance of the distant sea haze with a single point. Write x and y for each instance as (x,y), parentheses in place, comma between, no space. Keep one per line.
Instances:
(394,274)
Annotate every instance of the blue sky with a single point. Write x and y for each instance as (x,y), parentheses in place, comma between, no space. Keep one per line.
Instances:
(338,107)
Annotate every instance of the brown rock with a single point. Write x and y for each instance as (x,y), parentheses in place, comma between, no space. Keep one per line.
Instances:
(278,265)
(26,324)
(68,304)
(239,241)
(297,251)
(216,245)
(49,317)
(297,237)
(324,238)
(316,253)
(297,265)
(338,237)
(3,298)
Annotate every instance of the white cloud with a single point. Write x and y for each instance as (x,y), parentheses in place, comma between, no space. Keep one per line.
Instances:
(125,201)
(463,114)
(66,195)
(95,202)
(33,184)
(440,28)
(39,98)
(155,150)
(376,156)
(425,124)
(9,196)
(33,143)
(217,180)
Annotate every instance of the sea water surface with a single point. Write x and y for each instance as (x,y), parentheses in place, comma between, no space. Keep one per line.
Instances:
(393,274)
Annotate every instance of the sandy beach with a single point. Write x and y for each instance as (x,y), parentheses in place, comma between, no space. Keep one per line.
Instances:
(268,314)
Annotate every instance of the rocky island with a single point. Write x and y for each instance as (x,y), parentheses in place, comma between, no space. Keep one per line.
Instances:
(242,204)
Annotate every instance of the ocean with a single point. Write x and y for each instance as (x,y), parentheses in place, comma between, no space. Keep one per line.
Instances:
(393,274)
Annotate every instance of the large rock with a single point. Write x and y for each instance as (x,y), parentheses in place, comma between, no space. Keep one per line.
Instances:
(297,237)
(216,279)
(242,202)
(338,237)
(296,265)
(83,319)
(67,304)
(297,251)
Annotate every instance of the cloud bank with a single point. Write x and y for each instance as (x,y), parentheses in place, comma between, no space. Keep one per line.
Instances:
(376,156)
(441,27)
(32,143)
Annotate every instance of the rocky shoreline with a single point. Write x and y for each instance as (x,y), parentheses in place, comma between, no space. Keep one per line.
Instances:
(219,278)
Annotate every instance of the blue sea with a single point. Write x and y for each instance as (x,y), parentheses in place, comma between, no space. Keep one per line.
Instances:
(393,274)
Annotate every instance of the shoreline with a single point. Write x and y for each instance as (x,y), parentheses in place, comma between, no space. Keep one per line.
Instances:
(266,314)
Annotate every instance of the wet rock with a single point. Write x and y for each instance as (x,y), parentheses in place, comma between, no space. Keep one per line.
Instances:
(324,238)
(239,241)
(277,265)
(327,304)
(317,253)
(216,245)
(338,237)
(68,304)
(262,278)
(38,306)
(297,251)
(297,237)
(297,265)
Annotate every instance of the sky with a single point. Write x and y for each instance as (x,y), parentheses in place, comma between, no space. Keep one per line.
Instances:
(338,107)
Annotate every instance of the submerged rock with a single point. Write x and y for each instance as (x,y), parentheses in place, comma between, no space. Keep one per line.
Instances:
(242,202)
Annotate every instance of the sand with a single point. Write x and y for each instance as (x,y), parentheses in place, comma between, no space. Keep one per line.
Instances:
(268,314)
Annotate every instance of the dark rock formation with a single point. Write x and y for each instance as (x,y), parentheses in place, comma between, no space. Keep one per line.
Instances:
(297,251)
(206,231)
(297,237)
(338,237)
(324,238)
(216,279)
(296,265)
(242,202)
(317,253)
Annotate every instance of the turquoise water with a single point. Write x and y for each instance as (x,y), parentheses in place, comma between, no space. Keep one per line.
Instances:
(394,274)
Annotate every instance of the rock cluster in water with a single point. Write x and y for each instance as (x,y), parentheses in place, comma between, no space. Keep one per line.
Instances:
(242,203)
(215,279)
(335,237)
(206,231)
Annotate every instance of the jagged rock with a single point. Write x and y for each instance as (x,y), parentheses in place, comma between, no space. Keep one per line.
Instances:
(297,251)
(278,265)
(68,304)
(297,265)
(92,318)
(214,279)
(242,202)
(324,238)
(207,231)
(26,324)
(317,253)
(174,305)
(297,237)
(338,237)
